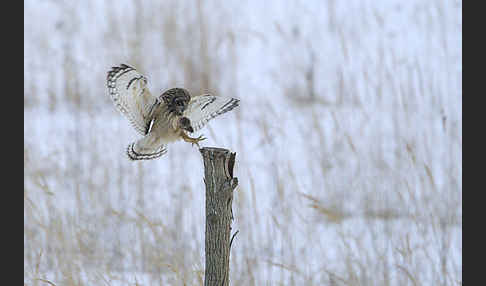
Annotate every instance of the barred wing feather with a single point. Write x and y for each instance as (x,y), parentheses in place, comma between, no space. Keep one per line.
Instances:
(205,107)
(127,89)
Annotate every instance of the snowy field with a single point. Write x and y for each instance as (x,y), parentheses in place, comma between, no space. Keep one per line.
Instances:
(348,142)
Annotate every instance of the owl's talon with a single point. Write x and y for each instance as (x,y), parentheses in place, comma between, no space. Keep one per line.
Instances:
(193,141)
(196,140)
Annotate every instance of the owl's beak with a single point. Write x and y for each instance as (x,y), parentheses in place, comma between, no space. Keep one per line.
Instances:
(180,110)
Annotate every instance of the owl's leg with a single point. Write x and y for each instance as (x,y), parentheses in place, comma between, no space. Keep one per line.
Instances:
(191,140)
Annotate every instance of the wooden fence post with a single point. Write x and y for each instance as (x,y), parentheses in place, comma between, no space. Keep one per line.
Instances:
(220,183)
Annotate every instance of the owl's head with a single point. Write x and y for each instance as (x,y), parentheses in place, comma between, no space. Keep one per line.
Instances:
(176,99)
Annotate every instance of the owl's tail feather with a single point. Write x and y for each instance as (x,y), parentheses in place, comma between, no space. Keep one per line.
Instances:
(134,155)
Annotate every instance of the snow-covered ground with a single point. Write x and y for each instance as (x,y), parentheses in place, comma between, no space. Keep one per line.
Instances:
(348,142)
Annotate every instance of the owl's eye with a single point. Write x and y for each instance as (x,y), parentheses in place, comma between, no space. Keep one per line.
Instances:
(179,103)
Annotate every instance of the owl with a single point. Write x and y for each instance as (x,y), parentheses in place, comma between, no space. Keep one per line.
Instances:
(164,119)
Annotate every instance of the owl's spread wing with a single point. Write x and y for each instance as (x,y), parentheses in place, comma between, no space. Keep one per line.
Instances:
(128,90)
(205,107)
(146,148)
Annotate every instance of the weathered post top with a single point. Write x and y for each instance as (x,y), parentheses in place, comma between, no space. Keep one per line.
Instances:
(211,154)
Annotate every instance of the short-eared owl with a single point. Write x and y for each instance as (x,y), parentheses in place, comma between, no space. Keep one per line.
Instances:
(164,119)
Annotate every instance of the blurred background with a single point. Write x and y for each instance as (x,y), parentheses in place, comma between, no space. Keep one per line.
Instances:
(348,140)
